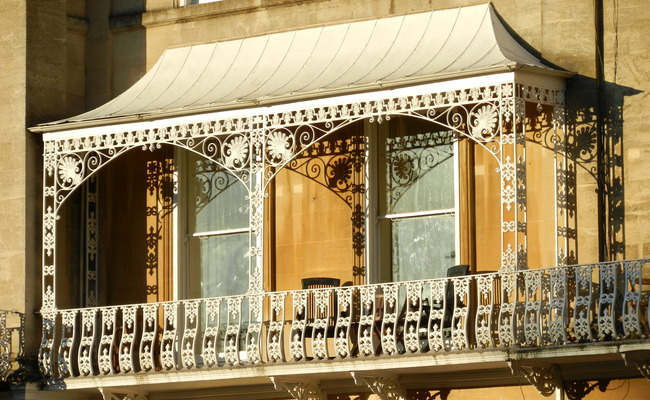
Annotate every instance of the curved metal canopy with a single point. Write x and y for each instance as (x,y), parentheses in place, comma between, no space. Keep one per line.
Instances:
(317,62)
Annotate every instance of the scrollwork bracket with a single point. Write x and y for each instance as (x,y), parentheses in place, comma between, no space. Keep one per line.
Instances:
(639,360)
(545,377)
(110,395)
(299,389)
(387,387)
(578,390)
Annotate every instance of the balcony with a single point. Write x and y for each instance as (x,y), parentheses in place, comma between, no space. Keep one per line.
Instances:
(565,317)
(12,346)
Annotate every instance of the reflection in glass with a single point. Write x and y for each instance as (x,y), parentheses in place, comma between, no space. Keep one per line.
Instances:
(417,210)
(423,247)
(218,231)
(219,199)
(223,262)
(419,173)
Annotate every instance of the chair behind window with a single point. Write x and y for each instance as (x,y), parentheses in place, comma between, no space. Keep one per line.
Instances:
(455,271)
(320,283)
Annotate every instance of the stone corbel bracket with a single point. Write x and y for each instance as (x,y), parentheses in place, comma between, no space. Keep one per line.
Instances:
(299,389)
(544,377)
(639,360)
(387,387)
(110,395)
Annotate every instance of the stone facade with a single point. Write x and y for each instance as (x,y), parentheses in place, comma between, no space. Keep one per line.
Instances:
(63,57)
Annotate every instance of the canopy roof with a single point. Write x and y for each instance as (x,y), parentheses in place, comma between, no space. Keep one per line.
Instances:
(316,62)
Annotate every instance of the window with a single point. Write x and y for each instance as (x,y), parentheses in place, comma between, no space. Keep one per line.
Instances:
(217,234)
(319,201)
(417,198)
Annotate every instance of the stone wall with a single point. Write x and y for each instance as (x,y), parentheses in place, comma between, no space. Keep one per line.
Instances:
(63,57)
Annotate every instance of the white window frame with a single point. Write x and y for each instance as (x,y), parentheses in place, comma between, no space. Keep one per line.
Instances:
(181,235)
(373,132)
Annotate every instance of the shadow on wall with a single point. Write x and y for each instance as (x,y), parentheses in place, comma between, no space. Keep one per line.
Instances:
(579,172)
(584,121)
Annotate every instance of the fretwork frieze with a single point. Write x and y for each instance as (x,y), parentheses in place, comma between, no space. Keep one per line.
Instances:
(253,148)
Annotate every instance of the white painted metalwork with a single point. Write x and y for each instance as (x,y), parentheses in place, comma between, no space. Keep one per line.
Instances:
(255,144)
(385,387)
(121,395)
(91,259)
(12,345)
(301,390)
(402,318)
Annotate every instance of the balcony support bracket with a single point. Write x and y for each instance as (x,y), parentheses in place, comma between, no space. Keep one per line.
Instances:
(638,359)
(545,377)
(387,387)
(110,395)
(578,390)
(299,389)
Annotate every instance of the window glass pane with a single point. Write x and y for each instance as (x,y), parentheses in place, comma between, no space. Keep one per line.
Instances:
(419,173)
(422,247)
(217,198)
(222,263)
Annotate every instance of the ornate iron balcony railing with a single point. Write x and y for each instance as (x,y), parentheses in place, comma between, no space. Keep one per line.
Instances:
(12,344)
(533,308)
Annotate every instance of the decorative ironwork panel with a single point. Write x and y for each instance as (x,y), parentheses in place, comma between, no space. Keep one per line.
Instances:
(148,342)
(298,325)
(68,331)
(190,333)
(12,348)
(344,311)
(557,305)
(91,242)
(460,318)
(438,314)
(485,310)
(631,304)
(321,314)
(584,310)
(168,339)
(534,288)
(212,333)
(47,346)
(607,301)
(129,333)
(233,330)
(390,322)
(107,343)
(275,335)
(412,317)
(254,331)
(368,318)
(89,324)
(507,318)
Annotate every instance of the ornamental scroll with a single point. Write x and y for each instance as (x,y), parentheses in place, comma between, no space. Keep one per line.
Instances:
(255,147)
